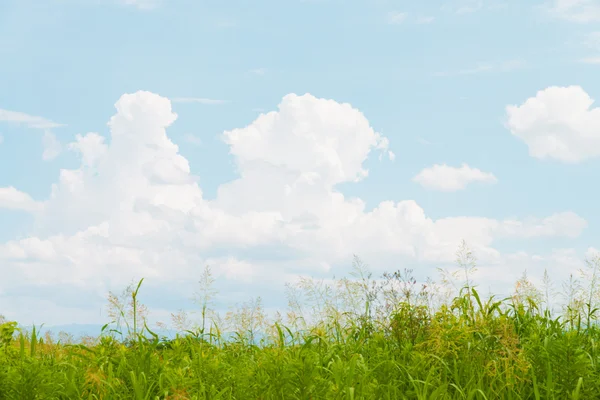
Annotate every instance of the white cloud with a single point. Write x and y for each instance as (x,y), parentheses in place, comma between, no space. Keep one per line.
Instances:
(52,146)
(558,123)
(396,17)
(132,208)
(1,139)
(592,40)
(425,20)
(199,100)
(29,121)
(11,198)
(142,4)
(468,6)
(505,66)
(192,139)
(259,71)
(581,11)
(566,224)
(450,179)
(461,7)
(590,60)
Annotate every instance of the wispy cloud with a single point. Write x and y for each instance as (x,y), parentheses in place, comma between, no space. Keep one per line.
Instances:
(396,17)
(580,11)
(590,60)
(426,142)
(199,100)
(592,42)
(142,4)
(425,20)
(29,121)
(471,6)
(192,139)
(52,147)
(258,71)
(485,68)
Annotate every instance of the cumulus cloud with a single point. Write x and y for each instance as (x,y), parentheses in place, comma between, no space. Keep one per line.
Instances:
(449,179)
(133,209)
(558,123)
(11,198)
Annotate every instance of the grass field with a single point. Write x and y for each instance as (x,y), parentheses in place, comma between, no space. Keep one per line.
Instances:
(355,338)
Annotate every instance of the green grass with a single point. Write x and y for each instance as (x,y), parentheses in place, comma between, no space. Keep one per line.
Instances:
(356,338)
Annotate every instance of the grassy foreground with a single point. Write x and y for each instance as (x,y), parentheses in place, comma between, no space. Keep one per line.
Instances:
(360,338)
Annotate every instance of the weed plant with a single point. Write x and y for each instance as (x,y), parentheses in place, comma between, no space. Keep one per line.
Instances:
(351,338)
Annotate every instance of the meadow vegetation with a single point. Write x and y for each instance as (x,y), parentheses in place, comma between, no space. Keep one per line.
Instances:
(352,338)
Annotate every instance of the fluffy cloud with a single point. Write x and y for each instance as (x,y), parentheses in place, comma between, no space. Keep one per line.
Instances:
(11,198)
(133,209)
(449,179)
(558,123)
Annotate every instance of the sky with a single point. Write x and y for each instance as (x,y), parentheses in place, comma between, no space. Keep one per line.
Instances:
(273,140)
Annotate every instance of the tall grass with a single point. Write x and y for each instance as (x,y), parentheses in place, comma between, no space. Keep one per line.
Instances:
(351,338)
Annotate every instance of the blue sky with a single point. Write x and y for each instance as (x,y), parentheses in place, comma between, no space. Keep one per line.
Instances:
(473,118)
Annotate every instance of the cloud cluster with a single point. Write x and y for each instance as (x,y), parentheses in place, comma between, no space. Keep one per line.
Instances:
(132,208)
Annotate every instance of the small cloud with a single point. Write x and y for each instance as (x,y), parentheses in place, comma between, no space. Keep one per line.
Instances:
(590,60)
(444,178)
(199,100)
(425,20)
(505,66)
(592,40)
(226,23)
(192,139)
(259,71)
(52,146)
(461,7)
(579,11)
(1,139)
(396,17)
(29,121)
(426,142)
(142,4)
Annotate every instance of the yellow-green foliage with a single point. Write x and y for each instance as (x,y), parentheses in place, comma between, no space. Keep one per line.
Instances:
(356,338)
